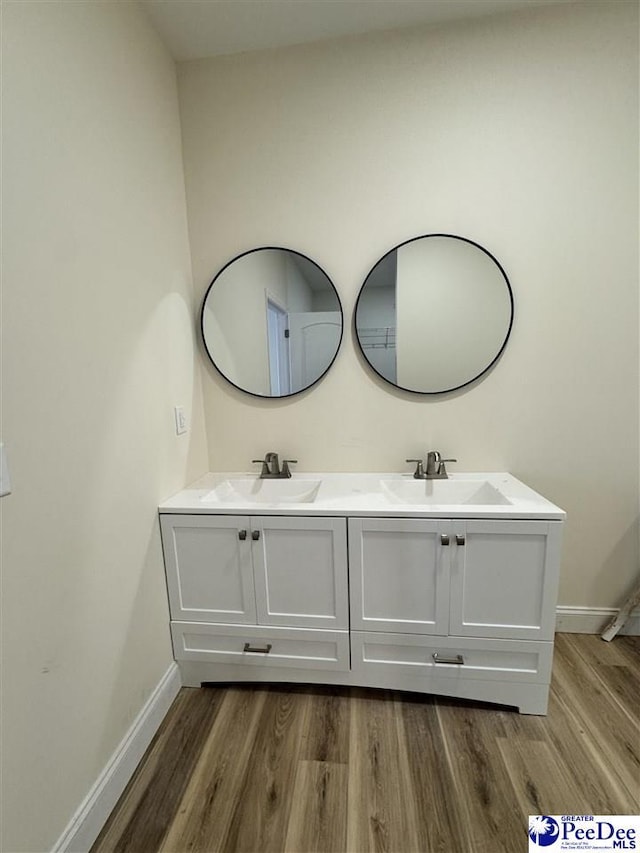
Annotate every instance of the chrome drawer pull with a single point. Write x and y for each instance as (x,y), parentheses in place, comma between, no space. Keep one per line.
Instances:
(460,540)
(242,535)
(255,535)
(263,650)
(455,659)
(444,539)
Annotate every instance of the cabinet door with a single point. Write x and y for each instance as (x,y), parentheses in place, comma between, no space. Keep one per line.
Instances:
(300,570)
(399,575)
(504,578)
(208,564)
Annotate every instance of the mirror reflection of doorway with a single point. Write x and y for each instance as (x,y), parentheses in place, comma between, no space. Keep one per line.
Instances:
(278,342)
(247,322)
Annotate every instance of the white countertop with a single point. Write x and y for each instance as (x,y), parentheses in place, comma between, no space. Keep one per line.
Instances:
(484,495)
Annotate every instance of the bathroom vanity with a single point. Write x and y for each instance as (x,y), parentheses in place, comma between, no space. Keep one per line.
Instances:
(380,580)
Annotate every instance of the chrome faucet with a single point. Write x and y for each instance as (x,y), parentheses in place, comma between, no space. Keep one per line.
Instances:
(271,469)
(436,468)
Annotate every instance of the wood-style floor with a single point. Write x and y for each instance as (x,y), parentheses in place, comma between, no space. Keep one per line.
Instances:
(298,769)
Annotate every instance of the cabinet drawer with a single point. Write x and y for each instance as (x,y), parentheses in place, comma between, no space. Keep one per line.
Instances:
(411,654)
(286,647)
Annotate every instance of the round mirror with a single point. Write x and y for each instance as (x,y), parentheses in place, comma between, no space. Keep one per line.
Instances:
(434,314)
(271,322)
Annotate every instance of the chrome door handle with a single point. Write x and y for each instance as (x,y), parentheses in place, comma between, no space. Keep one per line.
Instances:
(458,660)
(242,535)
(261,650)
(444,539)
(460,540)
(255,535)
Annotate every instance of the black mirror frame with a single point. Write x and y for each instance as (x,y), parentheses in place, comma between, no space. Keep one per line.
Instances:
(493,360)
(204,341)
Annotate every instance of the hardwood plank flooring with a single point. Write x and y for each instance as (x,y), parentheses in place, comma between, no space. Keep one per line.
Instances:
(295,769)
(209,802)
(266,795)
(380,806)
(481,778)
(440,816)
(318,820)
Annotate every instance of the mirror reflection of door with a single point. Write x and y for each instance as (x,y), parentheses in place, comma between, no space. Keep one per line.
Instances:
(314,338)
(246,315)
(278,342)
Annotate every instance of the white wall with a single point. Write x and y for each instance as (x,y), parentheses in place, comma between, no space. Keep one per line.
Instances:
(97,349)
(519,132)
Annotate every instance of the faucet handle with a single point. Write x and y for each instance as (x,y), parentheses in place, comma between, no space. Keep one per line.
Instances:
(285,466)
(265,467)
(442,468)
(419,472)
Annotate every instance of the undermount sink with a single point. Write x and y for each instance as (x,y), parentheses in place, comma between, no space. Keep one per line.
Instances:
(255,490)
(443,492)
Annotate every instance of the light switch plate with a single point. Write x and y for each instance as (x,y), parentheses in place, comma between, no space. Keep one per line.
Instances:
(181,420)
(5,482)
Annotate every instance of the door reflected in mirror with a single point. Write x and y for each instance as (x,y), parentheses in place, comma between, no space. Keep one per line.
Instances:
(434,314)
(271,322)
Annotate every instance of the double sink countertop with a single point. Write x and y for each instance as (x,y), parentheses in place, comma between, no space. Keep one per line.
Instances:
(477,495)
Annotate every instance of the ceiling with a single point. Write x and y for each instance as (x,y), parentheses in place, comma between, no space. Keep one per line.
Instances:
(195,29)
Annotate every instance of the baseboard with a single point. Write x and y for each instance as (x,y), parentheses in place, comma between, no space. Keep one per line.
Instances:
(85,825)
(592,620)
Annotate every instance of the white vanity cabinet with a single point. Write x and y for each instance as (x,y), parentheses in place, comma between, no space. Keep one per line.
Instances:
(460,606)
(399,580)
(361,591)
(466,578)
(265,570)
(246,588)
(504,578)
(209,568)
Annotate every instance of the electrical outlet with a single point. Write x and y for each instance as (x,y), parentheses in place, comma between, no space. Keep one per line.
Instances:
(181,420)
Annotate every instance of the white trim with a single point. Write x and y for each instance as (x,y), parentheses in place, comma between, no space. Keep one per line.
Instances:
(84,827)
(592,620)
